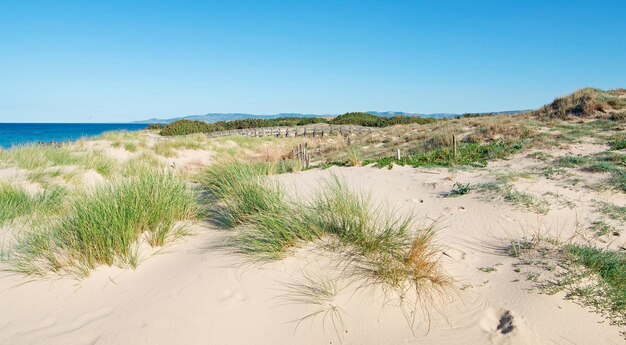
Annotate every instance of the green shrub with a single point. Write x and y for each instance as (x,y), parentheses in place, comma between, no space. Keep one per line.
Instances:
(182,127)
(155,126)
(467,154)
(370,120)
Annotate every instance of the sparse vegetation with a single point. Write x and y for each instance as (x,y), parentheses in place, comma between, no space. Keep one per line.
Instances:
(384,246)
(459,189)
(587,102)
(610,266)
(467,154)
(510,194)
(611,210)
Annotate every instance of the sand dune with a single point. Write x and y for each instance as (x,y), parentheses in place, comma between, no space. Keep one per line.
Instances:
(193,292)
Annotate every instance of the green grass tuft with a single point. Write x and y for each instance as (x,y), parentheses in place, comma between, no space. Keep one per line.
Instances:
(105,225)
(16,202)
(610,267)
(385,247)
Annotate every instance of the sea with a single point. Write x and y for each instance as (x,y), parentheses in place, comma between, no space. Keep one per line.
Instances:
(12,134)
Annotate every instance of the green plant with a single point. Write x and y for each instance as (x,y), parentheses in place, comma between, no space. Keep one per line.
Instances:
(104,226)
(610,266)
(467,154)
(385,248)
(16,202)
(611,210)
(459,189)
(571,161)
(242,190)
(618,142)
(602,228)
(488,269)
(355,156)
(130,147)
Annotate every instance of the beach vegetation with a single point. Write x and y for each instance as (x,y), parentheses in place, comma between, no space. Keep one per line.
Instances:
(16,202)
(385,247)
(104,226)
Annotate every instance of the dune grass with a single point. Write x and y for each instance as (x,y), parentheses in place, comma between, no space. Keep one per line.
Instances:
(16,202)
(384,247)
(242,190)
(167,148)
(34,156)
(103,226)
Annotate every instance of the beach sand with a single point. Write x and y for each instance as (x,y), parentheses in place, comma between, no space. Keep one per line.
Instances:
(194,291)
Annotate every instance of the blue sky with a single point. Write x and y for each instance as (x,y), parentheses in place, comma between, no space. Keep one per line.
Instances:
(116,61)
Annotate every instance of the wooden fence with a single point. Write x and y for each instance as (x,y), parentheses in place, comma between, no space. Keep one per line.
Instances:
(285,132)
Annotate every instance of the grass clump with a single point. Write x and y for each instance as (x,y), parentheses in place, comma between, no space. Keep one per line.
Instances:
(242,190)
(385,248)
(130,147)
(35,156)
(459,189)
(602,228)
(610,266)
(104,226)
(618,143)
(16,202)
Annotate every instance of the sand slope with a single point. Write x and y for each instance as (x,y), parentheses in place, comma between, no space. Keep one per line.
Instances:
(194,293)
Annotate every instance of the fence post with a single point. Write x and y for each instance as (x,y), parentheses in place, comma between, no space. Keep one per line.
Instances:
(398,155)
(454,144)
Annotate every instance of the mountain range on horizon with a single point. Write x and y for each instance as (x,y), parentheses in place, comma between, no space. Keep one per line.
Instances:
(216,117)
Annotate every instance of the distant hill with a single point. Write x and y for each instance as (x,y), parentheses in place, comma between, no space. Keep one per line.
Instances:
(216,117)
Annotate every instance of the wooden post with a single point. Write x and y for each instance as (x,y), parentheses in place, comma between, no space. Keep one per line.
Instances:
(398,155)
(454,144)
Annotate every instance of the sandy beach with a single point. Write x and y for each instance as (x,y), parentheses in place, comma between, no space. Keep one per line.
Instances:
(195,291)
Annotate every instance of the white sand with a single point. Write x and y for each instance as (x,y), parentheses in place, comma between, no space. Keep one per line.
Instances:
(195,293)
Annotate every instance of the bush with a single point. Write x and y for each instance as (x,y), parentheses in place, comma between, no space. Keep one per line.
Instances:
(155,126)
(370,120)
(182,127)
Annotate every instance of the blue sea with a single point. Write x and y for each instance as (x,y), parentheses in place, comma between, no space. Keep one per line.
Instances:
(12,134)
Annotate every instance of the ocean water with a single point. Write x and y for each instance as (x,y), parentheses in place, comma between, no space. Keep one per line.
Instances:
(12,134)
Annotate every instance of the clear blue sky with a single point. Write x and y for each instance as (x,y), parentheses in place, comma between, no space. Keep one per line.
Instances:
(112,61)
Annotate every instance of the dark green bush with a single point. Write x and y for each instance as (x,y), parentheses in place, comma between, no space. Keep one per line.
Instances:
(183,127)
(370,120)
(154,126)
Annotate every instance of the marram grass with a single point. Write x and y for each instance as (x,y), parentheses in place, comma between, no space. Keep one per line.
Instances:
(385,247)
(16,202)
(104,226)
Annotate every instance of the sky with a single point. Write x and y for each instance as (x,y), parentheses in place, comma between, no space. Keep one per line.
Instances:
(119,61)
